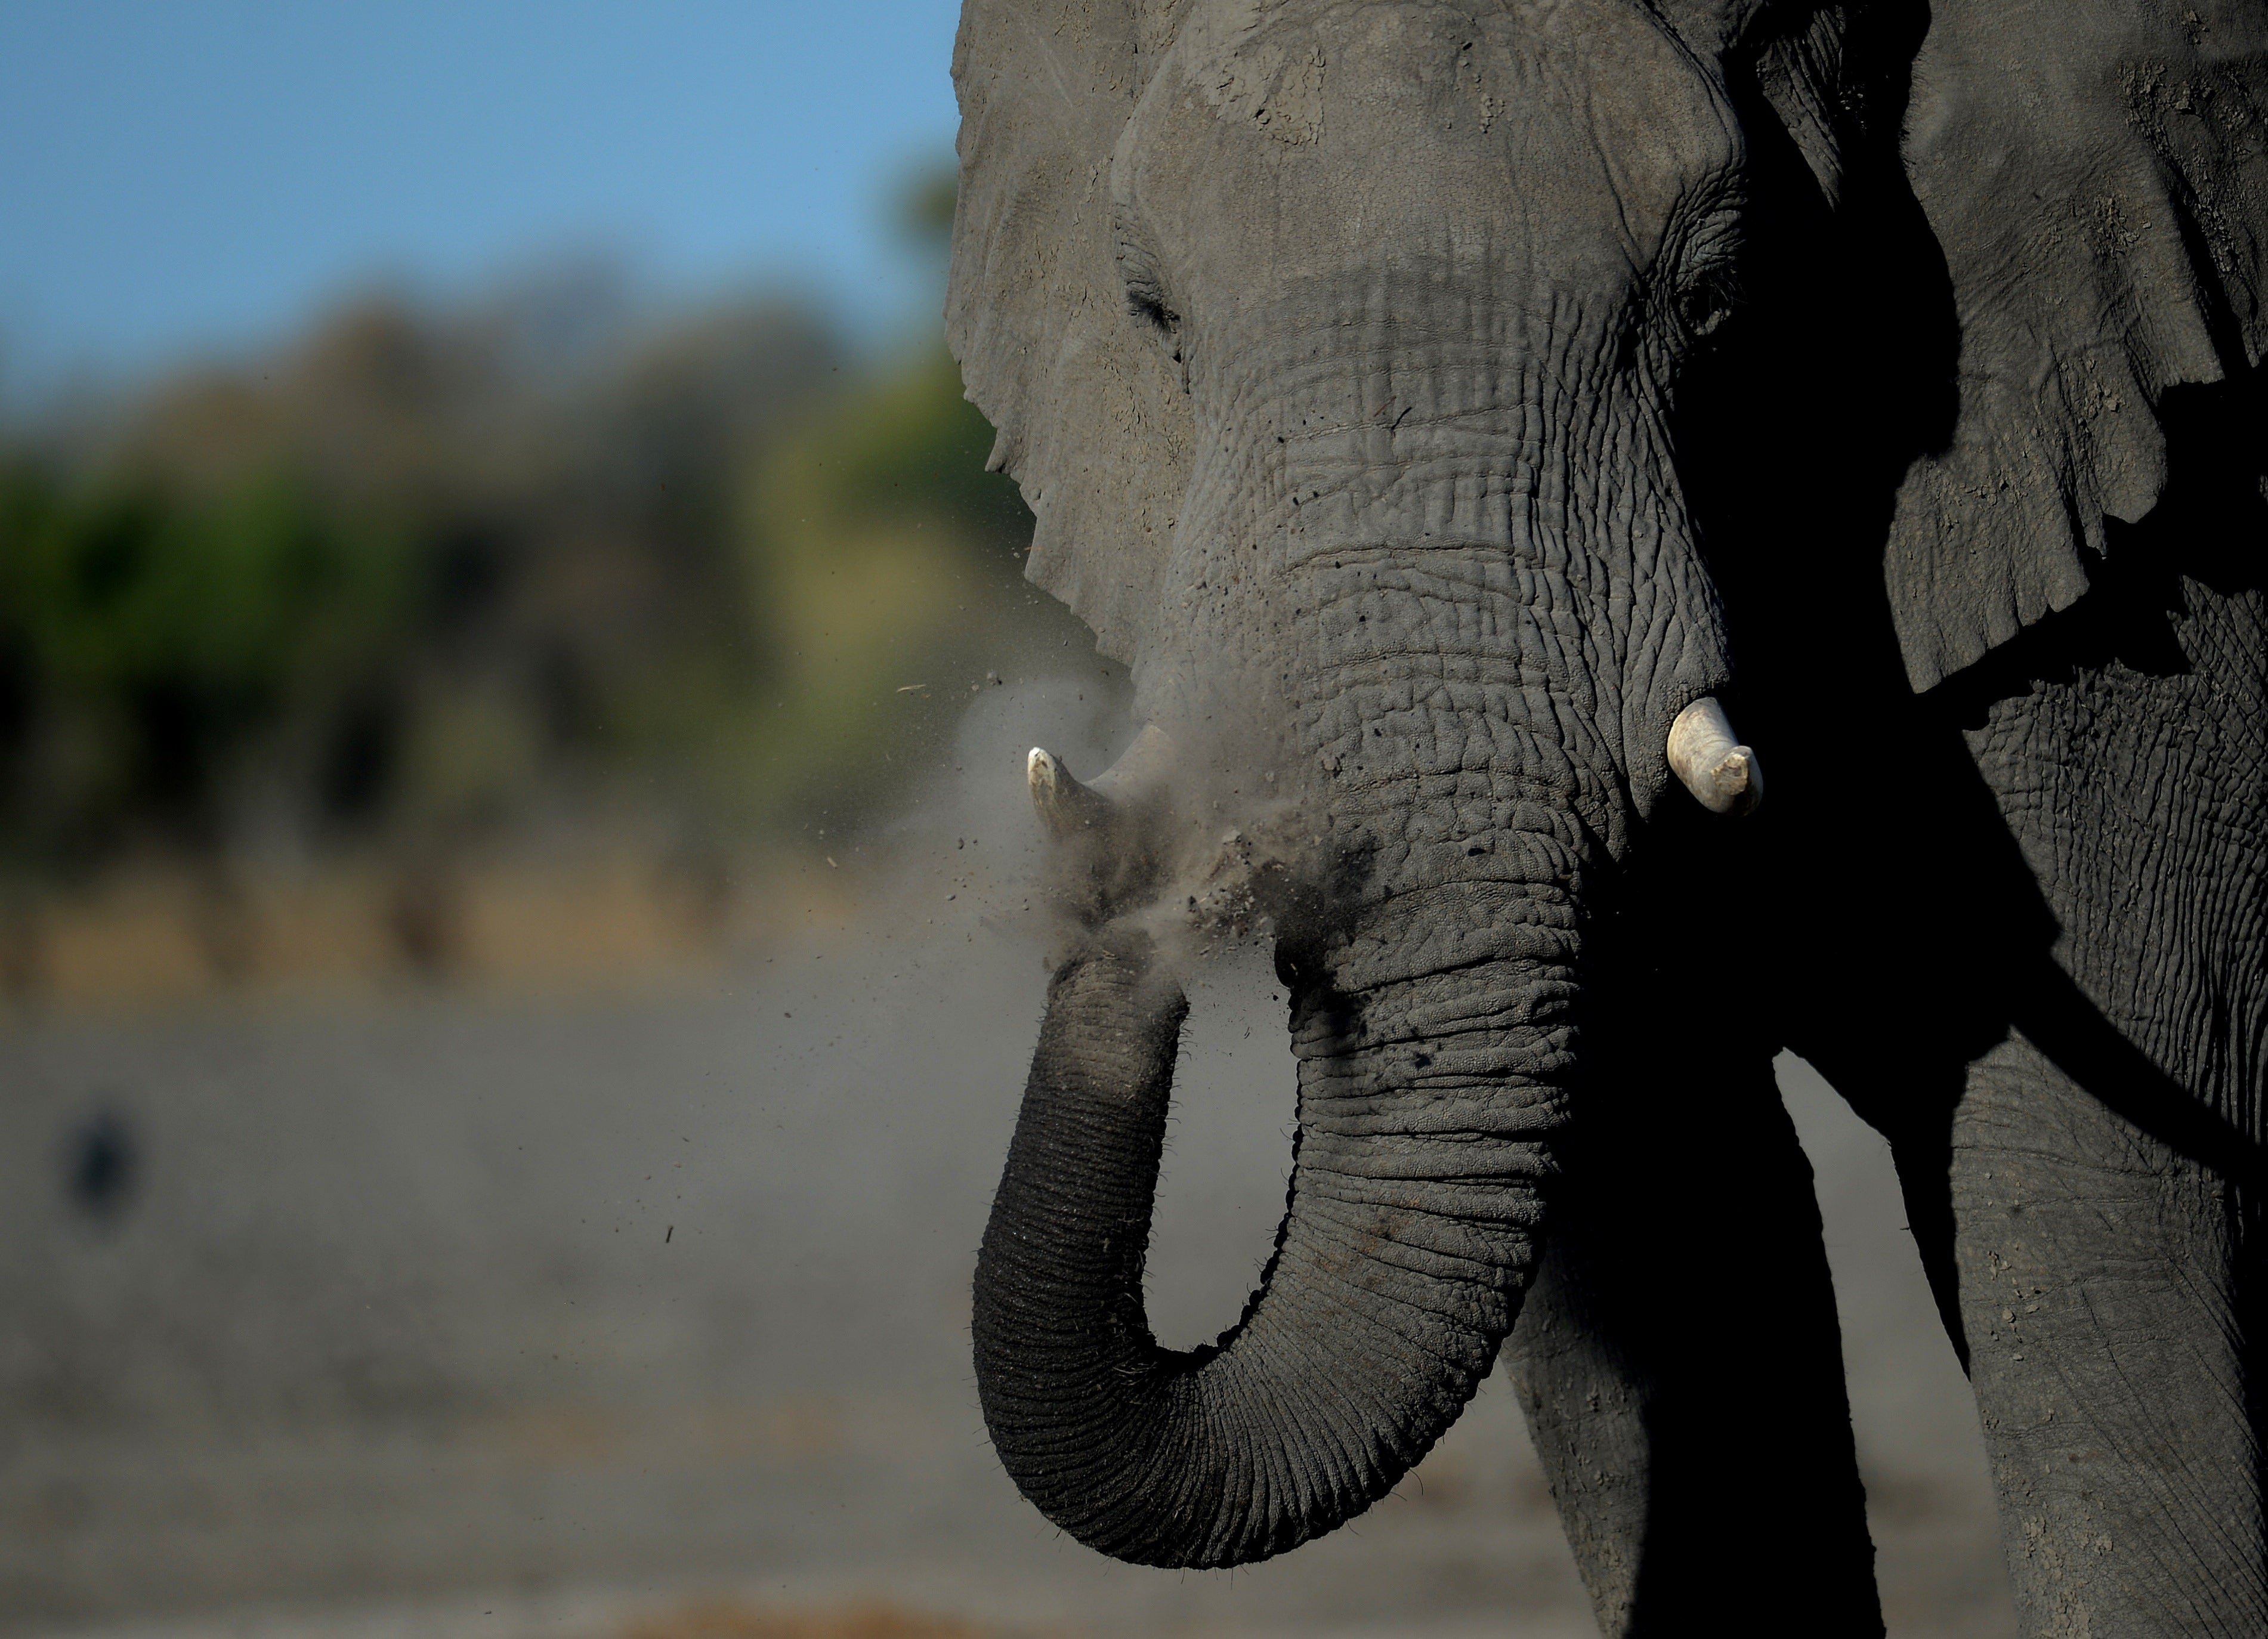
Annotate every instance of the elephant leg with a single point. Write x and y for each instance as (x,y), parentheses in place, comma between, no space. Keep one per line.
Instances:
(1681,1367)
(2102,1295)
(2104,1166)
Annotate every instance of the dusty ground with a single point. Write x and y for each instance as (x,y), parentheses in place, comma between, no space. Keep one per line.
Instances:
(642,1314)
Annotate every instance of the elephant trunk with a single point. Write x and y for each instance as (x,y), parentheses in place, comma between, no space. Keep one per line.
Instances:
(1425,1104)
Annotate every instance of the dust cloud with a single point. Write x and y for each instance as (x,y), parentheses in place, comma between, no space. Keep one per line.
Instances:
(644,1313)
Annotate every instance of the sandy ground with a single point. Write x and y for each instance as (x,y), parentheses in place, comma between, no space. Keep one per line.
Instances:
(644,1315)
(572,1312)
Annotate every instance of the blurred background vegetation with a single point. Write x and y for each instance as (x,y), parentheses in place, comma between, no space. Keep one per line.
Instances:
(429,588)
(424,589)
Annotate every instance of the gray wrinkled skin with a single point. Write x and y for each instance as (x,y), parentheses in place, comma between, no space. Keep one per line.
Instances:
(1430,402)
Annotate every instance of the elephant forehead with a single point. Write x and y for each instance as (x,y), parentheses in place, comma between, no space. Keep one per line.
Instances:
(1295,131)
(1411,400)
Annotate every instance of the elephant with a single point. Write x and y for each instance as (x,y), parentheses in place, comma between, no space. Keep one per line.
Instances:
(1460,414)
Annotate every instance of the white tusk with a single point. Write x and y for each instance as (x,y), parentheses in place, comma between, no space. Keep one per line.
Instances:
(1141,769)
(1065,806)
(1721,774)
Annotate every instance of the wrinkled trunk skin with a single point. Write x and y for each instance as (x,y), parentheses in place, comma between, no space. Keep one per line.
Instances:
(1410,1233)
(1435,573)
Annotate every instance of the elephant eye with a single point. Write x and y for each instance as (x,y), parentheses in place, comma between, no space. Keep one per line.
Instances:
(1145,284)
(1708,252)
(1149,305)
(1708,299)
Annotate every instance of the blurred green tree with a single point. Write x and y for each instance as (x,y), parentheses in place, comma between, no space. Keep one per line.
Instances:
(421,575)
(150,639)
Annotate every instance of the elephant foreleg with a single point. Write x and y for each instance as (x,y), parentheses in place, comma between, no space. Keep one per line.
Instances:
(2104,1170)
(1681,1367)
(2102,1291)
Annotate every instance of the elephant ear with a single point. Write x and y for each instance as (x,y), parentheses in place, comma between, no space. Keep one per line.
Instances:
(1796,55)
(2095,175)
(1092,418)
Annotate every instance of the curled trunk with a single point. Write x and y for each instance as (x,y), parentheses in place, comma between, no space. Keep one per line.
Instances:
(1407,1239)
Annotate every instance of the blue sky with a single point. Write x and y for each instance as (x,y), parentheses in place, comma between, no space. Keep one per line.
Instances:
(184,177)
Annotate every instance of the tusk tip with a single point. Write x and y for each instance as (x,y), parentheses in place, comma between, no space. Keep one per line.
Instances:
(1062,802)
(1067,806)
(1738,782)
(1048,780)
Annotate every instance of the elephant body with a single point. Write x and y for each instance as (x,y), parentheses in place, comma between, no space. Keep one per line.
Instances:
(1436,404)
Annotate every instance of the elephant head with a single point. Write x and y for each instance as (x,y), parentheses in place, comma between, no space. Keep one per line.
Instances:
(1338,348)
